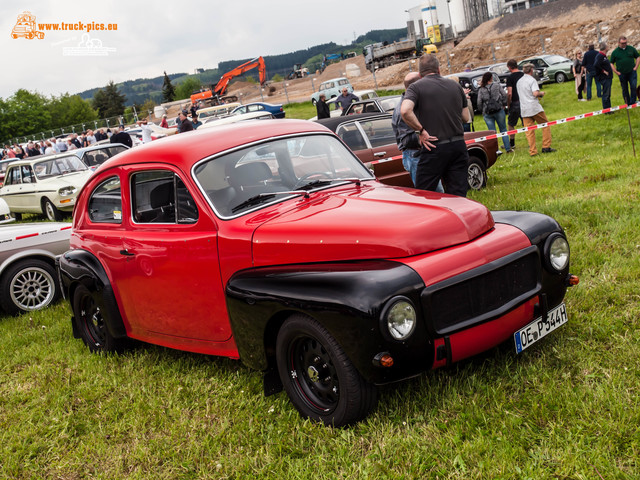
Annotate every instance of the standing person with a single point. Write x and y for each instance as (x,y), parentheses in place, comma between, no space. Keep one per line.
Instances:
(579,74)
(491,101)
(513,100)
(322,108)
(588,63)
(604,74)
(531,110)
(121,137)
(624,60)
(406,137)
(164,123)
(185,124)
(436,108)
(345,99)
(146,130)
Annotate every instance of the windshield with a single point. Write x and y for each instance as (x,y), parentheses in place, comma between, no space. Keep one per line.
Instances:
(271,172)
(58,166)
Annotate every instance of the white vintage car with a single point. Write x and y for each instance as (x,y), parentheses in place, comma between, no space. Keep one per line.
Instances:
(45,185)
(28,251)
(5,213)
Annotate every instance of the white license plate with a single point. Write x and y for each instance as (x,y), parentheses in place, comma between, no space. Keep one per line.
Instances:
(538,329)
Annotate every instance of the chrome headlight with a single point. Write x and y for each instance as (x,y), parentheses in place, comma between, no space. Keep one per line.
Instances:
(399,317)
(66,191)
(556,252)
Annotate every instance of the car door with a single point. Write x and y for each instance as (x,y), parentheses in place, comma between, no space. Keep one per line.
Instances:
(387,157)
(172,262)
(19,188)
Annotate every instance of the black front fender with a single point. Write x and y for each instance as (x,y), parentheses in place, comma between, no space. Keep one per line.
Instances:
(79,267)
(346,298)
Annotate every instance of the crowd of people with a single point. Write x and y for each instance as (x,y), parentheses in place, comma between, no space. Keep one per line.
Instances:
(54,145)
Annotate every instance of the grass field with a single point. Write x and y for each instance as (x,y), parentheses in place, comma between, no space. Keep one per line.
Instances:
(567,408)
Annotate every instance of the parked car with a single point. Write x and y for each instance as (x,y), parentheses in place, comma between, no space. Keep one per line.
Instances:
(28,252)
(555,67)
(97,154)
(503,72)
(276,110)
(336,111)
(370,136)
(272,243)
(379,104)
(46,185)
(217,111)
(332,88)
(238,117)
(3,168)
(5,213)
(471,80)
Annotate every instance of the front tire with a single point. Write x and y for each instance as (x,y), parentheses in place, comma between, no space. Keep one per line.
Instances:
(50,211)
(476,173)
(319,378)
(90,322)
(28,285)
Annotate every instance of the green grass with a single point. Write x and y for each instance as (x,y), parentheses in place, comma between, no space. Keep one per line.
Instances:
(567,408)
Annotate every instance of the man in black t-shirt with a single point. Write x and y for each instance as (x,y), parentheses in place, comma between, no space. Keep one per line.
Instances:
(436,107)
(513,100)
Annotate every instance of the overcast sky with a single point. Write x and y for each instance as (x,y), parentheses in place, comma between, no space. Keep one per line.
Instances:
(172,35)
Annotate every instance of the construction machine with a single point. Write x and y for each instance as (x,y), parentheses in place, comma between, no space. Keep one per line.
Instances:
(216,94)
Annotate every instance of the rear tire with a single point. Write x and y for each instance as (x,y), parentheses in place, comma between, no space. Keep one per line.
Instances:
(319,378)
(476,173)
(91,323)
(561,77)
(28,285)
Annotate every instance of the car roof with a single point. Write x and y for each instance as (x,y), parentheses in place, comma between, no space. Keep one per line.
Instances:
(184,149)
(334,122)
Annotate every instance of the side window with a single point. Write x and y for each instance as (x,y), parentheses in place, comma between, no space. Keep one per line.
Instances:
(160,196)
(379,132)
(27,174)
(352,137)
(13,177)
(105,204)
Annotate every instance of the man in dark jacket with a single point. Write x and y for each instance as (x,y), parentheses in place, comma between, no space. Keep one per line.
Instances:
(121,137)
(604,74)
(322,108)
(588,60)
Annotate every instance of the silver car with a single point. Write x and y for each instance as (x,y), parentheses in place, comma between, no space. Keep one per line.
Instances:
(28,251)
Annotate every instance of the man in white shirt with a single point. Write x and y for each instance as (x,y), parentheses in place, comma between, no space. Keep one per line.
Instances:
(531,110)
(146,131)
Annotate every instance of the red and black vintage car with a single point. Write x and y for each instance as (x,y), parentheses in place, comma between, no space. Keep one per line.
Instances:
(270,242)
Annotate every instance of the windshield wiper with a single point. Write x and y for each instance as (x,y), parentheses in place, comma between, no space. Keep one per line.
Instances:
(257,199)
(321,183)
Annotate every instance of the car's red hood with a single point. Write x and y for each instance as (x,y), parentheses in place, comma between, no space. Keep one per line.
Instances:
(368,223)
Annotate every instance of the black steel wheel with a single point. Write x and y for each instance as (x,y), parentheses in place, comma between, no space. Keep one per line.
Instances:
(319,378)
(90,322)
(50,210)
(28,285)
(476,173)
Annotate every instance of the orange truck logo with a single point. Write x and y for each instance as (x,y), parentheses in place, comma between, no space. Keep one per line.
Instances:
(26,27)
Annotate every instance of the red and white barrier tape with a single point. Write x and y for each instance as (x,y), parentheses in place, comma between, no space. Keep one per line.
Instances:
(554,122)
(36,234)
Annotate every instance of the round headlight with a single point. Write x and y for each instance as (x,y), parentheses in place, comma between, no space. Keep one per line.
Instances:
(557,252)
(400,318)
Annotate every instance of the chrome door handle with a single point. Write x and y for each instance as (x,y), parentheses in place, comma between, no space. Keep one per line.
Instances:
(379,154)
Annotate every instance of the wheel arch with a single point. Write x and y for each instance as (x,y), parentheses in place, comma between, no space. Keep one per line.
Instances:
(28,255)
(479,153)
(80,267)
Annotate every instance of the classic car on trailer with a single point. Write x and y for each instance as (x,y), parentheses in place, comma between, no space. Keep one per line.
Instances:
(272,243)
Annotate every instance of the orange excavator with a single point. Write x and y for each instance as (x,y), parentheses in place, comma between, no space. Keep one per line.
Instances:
(216,94)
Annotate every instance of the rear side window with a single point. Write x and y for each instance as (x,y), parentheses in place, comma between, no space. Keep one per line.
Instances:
(379,132)
(160,196)
(105,204)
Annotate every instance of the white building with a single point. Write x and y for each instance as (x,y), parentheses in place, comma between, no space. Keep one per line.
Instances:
(454,17)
